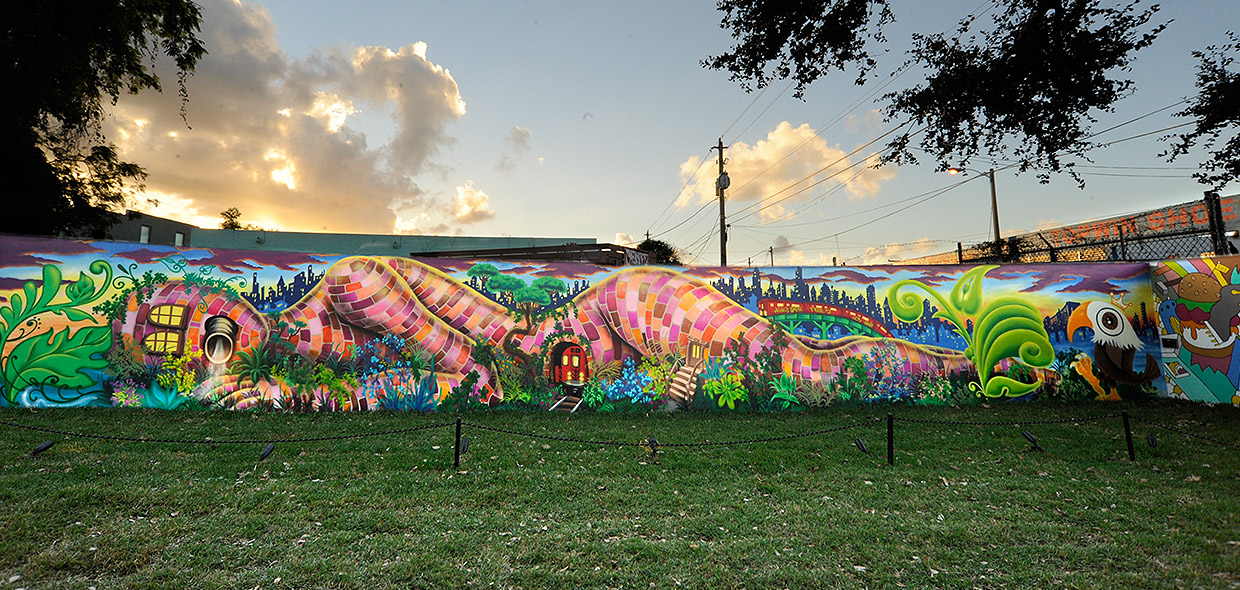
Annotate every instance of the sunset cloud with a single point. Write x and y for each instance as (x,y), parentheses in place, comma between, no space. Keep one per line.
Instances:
(791,166)
(471,205)
(270,134)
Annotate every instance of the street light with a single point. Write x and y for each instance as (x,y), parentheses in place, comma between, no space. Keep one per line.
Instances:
(994,202)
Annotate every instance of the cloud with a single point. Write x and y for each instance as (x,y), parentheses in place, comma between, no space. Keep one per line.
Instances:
(471,205)
(785,167)
(517,148)
(889,253)
(623,239)
(270,134)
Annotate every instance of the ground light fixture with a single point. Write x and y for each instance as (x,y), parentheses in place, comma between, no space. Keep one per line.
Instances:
(1152,439)
(1033,440)
(861,445)
(653,445)
(43,446)
(267,450)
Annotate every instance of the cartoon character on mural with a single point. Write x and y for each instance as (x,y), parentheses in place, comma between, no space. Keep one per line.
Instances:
(1199,318)
(1115,349)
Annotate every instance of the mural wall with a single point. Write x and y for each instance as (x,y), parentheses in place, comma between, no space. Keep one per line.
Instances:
(1198,313)
(121,324)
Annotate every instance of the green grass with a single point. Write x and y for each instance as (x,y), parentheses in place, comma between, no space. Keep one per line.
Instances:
(964,506)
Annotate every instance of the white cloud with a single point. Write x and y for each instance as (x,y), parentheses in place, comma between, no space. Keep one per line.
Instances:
(518,147)
(270,134)
(889,253)
(769,168)
(623,239)
(471,205)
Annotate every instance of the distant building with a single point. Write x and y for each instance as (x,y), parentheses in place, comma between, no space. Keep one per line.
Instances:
(1186,230)
(149,229)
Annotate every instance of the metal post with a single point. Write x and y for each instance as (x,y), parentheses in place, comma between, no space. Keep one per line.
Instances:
(456,448)
(959,253)
(891,439)
(1123,245)
(1214,220)
(1132,453)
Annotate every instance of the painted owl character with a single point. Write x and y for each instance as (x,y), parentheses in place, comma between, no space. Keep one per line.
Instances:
(1115,348)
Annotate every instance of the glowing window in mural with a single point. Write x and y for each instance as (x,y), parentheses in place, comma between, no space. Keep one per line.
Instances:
(172,316)
(163,343)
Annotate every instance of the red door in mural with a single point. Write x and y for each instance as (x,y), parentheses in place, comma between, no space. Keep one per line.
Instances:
(572,367)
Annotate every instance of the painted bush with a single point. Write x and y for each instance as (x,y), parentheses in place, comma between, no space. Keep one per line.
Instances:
(150,326)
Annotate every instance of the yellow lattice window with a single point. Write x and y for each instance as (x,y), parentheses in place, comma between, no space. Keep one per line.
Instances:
(564,361)
(576,362)
(172,316)
(163,343)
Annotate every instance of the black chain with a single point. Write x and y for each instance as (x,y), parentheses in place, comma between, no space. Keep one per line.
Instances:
(224,442)
(1188,434)
(555,438)
(663,444)
(1019,423)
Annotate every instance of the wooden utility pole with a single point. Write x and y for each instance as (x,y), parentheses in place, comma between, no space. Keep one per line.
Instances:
(721,184)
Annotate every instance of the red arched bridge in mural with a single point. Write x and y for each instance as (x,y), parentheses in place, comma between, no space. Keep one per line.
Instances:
(795,315)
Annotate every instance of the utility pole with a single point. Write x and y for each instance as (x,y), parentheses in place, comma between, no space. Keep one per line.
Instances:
(721,184)
(994,205)
(772,250)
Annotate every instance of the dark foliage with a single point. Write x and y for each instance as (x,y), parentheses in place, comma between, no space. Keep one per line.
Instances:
(1217,111)
(803,38)
(1027,88)
(661,252)
(60,60)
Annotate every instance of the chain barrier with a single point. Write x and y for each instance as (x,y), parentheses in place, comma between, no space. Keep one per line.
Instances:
(210,441)
(644,444)
(679,445)
(1189,434)
(1021,423)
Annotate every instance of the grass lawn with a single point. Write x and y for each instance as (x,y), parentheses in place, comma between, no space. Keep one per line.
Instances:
(964,506)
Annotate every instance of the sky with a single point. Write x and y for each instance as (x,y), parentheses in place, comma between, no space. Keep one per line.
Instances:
(596,120)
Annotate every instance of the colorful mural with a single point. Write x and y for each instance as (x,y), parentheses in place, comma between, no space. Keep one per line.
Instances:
(1198,314)
(151,326)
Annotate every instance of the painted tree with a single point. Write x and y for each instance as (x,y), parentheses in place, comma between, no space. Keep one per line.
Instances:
(482,271)
(528,301)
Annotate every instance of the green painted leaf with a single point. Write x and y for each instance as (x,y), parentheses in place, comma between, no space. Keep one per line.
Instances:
(966,295)
(1007,387)
(8,314)
(76,314)
(15,312)
(81,289)
(904,305)
(61,360)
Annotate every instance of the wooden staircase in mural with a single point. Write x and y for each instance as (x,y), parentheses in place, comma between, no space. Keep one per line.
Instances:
(567,404)
(683,384)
